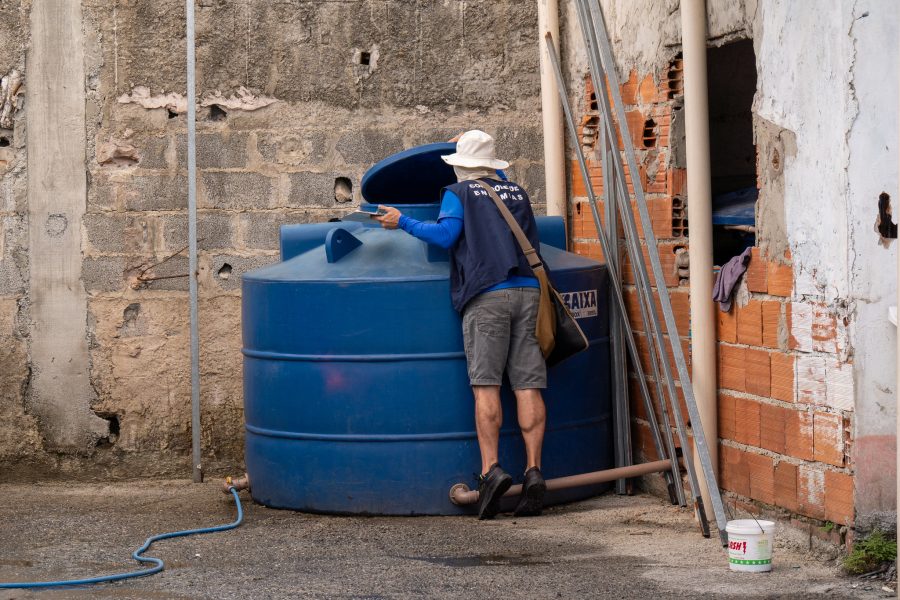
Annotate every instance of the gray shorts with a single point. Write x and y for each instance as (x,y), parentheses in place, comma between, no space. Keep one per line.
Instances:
(498,334)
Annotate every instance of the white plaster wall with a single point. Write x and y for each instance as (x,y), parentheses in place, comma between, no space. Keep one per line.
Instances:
(804,59)
(872,170)
(873,155)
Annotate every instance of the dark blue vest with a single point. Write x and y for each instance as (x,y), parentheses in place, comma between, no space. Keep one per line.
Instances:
(487,252)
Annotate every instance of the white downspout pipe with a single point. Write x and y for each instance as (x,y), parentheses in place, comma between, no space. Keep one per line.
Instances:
(699,193)
(551,113)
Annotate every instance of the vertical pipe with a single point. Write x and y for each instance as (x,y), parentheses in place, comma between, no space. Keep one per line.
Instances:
(192,244)
(897,375)
(551,113)
(703,327)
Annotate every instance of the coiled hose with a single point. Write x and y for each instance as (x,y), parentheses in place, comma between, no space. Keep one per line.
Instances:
(137,555)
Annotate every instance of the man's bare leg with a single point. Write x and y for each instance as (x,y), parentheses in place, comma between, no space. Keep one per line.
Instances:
(488,419)
(532,419)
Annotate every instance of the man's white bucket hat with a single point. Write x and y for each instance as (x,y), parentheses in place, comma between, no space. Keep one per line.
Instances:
(475,149)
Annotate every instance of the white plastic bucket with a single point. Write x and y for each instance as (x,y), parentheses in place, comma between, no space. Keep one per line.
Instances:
(750,545)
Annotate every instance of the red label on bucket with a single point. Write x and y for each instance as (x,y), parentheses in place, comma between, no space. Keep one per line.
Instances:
(741,546)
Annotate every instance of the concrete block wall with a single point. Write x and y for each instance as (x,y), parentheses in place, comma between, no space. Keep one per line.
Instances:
(293,97)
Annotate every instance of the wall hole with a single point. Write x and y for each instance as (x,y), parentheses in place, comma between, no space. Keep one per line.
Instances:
(648,137)
(114,428)
(4,142)
(172,114)
(224,271)
(884,224)
(365,58)
(343,189)
(732,85)
(217,113)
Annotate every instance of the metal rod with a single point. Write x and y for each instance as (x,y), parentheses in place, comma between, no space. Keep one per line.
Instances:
(197,466)
(614,275)
(645,297)
(641,276)
(461,494)
(620,373)
(700,441)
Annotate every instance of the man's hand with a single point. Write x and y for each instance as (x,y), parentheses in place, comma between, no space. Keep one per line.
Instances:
(389,217)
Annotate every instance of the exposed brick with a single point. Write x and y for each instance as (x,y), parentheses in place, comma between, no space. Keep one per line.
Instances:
(838,497)
(786,486)
(828,438)
(757,373)
(641,434)
(629,88)
(771,323)
(632,305)
(780,279)
(772,427)
(824,329)
(677,182)
(635,121)
(735,472)
(660,210)
(647,90)
(782,376)
(756,272)
(726,325)
(726,416)
(762,477)
(749,324)
(667,262)
(798,434)
(811,379)
(811,492)
(732,367)
(746,421)
(589,249)
(237,190)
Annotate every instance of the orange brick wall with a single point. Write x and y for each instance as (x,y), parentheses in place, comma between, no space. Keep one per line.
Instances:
(785,385)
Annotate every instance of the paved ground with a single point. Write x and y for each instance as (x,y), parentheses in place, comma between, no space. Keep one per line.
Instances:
(608,547)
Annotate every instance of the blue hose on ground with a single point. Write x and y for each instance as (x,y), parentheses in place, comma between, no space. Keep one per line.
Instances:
(158,564)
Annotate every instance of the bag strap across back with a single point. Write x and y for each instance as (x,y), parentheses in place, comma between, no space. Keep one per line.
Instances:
(534,260)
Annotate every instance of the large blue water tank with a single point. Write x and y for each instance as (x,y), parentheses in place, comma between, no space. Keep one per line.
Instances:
(355,390)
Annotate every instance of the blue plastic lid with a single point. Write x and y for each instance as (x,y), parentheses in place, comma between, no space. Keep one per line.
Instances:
(414,176)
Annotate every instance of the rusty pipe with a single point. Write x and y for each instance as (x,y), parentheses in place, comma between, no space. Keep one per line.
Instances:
(460,493)
(238,483)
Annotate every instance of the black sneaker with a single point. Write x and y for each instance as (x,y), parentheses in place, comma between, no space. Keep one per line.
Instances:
(491,488)
(532,500)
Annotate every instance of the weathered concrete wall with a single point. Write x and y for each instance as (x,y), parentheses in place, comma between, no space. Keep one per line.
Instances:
(18,429)
(293,97)
(807,358)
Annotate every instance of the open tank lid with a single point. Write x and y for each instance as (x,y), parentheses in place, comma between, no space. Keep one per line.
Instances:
(414,176)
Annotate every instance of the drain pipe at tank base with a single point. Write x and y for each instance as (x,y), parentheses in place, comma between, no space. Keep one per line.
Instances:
(460,493)
(239,483)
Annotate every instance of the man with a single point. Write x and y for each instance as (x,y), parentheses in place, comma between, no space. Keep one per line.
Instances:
(495,291)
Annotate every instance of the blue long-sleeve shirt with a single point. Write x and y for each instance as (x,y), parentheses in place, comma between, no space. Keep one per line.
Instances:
(446,231)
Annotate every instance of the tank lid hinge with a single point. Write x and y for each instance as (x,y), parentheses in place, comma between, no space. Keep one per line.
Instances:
(339,243)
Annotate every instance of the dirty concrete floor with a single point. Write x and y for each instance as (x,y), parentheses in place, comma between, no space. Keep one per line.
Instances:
(607,547)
